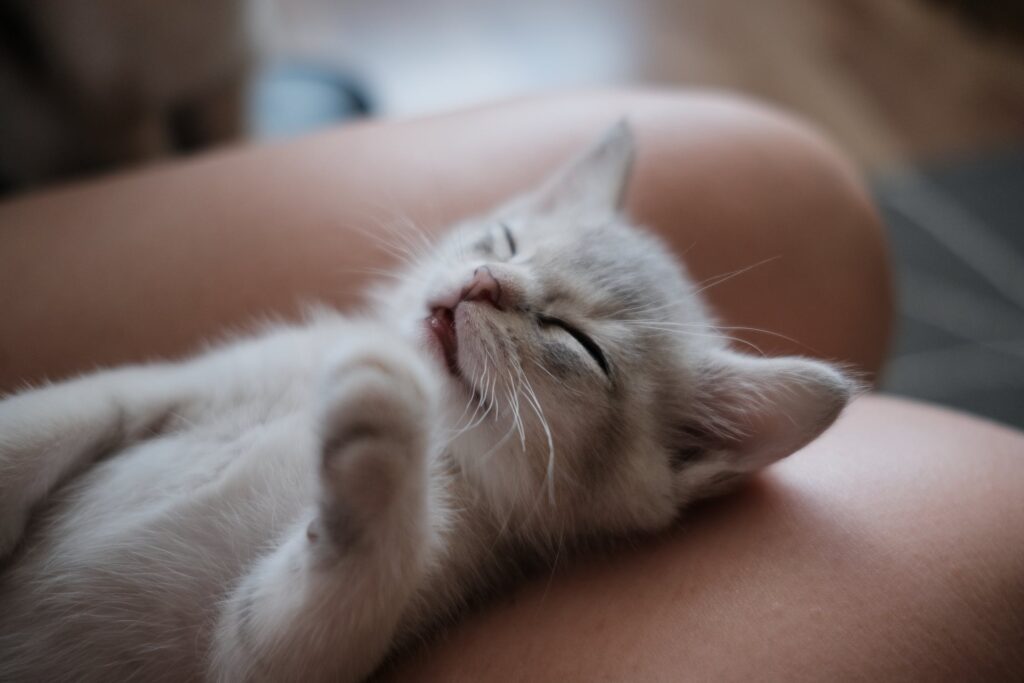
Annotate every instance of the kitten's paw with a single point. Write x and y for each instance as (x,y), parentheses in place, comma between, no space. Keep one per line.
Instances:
(377,419)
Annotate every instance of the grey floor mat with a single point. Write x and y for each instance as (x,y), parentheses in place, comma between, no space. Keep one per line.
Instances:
(957,235)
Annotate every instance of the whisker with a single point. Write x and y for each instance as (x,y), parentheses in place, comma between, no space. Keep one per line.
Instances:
(534,403)
(709,335)
(713,327)
(486,455)
(719,279)
(514,403)
(554,562)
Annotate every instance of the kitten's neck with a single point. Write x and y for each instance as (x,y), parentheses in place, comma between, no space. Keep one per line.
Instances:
(476,550)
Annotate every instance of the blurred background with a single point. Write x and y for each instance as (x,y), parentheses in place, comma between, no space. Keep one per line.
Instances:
(926,95)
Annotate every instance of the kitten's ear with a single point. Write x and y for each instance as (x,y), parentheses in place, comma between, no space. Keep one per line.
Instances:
(754,411)
(594,182)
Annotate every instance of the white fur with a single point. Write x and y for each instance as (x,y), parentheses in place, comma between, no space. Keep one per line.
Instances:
(297,505)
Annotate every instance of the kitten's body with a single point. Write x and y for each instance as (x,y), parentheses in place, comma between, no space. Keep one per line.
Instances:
(292,506)
(136,553)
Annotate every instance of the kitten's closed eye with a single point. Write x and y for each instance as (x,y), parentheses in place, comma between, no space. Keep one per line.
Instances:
(489,243)
(511,240)
(588,344)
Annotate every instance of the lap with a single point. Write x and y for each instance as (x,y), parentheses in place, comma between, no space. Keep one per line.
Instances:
(891,542)
(890,549)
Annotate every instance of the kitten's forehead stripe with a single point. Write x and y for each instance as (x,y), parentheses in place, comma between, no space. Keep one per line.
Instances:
(611,275)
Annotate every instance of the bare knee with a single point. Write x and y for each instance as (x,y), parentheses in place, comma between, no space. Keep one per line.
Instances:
(889,549)
(928,506)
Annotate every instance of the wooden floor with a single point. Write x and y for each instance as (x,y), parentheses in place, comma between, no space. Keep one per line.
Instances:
(892,80)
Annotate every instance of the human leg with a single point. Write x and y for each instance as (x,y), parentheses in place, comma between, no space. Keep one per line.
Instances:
(890,549)
(179,253)
(152,263)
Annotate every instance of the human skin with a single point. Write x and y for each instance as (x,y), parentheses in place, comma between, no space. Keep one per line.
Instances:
(152,263)
(892,548)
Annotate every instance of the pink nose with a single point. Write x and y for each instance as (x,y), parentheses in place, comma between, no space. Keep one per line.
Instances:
(483,287)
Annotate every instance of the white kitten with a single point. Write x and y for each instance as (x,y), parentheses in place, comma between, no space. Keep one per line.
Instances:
(297,505)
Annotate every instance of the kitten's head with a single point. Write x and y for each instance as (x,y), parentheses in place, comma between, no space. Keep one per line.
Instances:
(585,378)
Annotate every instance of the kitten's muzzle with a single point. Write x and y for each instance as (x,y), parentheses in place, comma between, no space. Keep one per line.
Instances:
(482,288)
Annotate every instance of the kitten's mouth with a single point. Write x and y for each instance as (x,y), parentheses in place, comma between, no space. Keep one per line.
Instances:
(441,323)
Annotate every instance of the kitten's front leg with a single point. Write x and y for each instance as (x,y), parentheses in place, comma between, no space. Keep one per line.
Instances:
(325,604)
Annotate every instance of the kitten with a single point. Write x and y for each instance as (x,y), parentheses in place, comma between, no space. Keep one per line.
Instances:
(296,505)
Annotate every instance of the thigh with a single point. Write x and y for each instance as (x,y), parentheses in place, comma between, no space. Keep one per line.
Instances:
(891,549)
(152,263)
